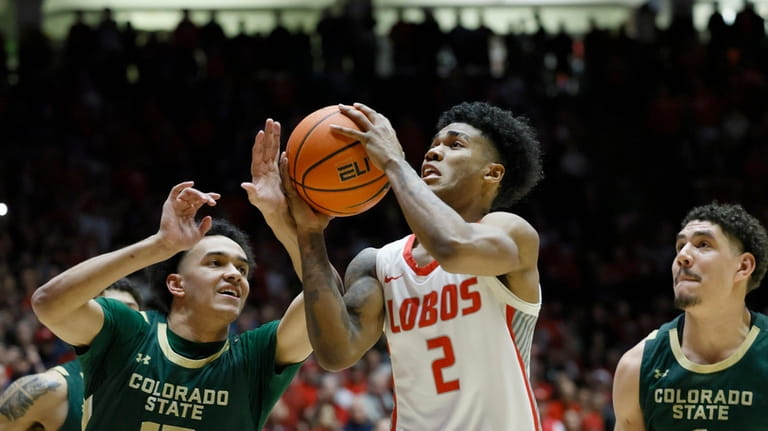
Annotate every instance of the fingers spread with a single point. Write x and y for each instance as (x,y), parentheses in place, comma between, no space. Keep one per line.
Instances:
(195,198)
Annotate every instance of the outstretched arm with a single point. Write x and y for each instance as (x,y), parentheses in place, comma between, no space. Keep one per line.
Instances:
(64,304)
(34,402)
(341,328)
(265,191)
(626,391)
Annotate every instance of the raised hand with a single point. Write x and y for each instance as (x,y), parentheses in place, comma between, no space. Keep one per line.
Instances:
(264,190)
(376,134)
(178,228)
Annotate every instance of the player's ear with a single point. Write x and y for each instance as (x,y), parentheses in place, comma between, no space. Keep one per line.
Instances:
(175,285)
(746,266)
(494,172)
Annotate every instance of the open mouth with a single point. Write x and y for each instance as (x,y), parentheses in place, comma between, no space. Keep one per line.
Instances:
(229,292)
(429,171)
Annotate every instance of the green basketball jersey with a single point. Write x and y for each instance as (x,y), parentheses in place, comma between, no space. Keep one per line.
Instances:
(677,394)
(75,388)
(139,376)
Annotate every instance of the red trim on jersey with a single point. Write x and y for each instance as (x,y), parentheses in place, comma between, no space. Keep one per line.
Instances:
(394,412)
(393,420)
(408,256)
(510,316)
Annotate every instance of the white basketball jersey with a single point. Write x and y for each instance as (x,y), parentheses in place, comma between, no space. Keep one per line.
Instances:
(460,347)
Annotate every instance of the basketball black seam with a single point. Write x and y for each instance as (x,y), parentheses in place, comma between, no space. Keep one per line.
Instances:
(329,156)
(320,189)
(383,189)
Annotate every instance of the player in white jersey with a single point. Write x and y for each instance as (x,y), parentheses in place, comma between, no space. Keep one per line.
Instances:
(458,299)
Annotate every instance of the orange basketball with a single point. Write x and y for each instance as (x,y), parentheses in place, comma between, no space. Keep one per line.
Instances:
(331,172)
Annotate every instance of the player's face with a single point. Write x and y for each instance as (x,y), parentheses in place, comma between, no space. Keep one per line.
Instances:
(214,274)
(122,296)
(456,163)
(705,265)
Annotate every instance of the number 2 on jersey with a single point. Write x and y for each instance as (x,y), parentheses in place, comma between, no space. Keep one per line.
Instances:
(446,361)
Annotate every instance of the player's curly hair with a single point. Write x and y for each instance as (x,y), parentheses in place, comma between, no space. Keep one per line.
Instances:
(515,141)
(158,273)
(741,227)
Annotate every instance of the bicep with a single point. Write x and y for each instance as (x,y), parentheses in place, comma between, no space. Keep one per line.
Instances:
(500,243)
(34,399)
(626,391)
(82,326)
(293,344)
(364,299)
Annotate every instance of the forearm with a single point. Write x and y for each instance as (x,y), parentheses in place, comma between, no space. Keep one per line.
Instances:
(74,287)
(284,229)
(435,223)
(330,327)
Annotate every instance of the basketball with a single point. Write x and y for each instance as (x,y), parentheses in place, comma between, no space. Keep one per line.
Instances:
(332,173)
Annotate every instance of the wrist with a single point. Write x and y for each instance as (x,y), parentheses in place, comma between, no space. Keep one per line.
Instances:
(161,247)
(392,166)
(309,229)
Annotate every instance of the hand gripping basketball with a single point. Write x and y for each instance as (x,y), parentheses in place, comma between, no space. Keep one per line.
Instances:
(331,172)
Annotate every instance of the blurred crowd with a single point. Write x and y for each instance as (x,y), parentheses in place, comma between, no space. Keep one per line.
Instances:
(638,123)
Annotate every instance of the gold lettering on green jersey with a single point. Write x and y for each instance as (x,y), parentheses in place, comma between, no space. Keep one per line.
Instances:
(702,404)
(177,400)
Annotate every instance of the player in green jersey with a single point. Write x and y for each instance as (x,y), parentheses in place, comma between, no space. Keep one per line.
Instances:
(183,370)
(53,400)
(705,370)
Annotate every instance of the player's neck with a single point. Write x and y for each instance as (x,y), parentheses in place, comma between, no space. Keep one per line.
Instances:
(473,211)
(193,328)
(420,254)
(714,336)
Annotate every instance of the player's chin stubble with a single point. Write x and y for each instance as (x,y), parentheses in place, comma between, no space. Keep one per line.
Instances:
(684,301)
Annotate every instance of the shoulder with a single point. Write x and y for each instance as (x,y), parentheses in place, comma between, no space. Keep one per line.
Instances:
(512,223)
(50,380)
(626,390)
(631,360)
(257,345)
(364,263)
(117,310)
(120,320)
(68,368)
(262,337)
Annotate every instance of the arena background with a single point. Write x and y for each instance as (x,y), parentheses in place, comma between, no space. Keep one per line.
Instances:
(644,110)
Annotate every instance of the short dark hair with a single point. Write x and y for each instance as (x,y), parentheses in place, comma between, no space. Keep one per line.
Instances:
(158,273)
(738,225)
(515,141)
(127,285)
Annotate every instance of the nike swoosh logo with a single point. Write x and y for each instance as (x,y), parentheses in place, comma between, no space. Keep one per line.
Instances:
(387,278)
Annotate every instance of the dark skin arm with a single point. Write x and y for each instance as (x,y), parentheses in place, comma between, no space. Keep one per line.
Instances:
(341,327)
